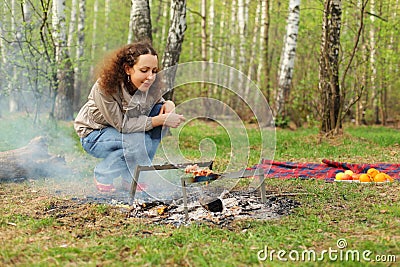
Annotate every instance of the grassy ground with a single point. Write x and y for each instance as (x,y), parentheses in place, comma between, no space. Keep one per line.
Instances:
(42,229)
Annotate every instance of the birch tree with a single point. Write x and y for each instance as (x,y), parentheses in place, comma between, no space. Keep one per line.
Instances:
(203,14)
(94,34)
(72,26)
(175,38)
(329,67)
(79,53)
(13,103)
(288,59)
(250,72)
(263,65)
(241,21)
(107,11)
(232,47)
(140,22)
(375,94)
(63,108)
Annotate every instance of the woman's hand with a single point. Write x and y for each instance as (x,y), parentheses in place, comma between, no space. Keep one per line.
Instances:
(167,107)
(167,116)
(173,120)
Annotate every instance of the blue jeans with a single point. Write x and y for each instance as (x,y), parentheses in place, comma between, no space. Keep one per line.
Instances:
(121,153)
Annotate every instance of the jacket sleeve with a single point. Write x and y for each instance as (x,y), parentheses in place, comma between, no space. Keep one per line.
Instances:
(113,114)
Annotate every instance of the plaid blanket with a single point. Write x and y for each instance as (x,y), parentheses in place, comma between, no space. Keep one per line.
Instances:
(325,170)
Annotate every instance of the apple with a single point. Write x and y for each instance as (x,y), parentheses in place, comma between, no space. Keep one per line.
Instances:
(349,172)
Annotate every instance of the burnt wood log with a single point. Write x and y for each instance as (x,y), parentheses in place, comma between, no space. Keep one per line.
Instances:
(31,161)
(212,204)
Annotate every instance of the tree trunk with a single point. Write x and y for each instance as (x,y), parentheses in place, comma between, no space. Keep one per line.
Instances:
(375,97)
(164,24)
(13,104)
(94,35)
(221,46)
(31,161)
(254,52)
(107,11)
(241,21)
(174,44)
(232,57)
(140,21)
(264,65)
(72,26)
(329,68)
(3,59)
(287,59)
(63,108)
(203,30)
(79,54)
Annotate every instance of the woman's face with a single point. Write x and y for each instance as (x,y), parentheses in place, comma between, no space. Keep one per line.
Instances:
(143,73)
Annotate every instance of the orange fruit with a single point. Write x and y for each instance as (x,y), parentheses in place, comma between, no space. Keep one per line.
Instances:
(389,178)
(372,172)
(380,177)
(365,178)
(356,176)
(339,176)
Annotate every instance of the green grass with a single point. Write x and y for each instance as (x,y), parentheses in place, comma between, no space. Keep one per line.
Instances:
(38,229)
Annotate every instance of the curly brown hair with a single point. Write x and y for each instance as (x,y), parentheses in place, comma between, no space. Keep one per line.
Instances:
(113,71)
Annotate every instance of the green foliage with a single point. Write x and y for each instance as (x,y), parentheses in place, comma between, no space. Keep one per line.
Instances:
(33,56)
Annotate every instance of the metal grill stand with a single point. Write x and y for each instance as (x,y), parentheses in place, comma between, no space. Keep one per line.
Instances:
(244,173)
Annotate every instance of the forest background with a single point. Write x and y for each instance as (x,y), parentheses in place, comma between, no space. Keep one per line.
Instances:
(233,32)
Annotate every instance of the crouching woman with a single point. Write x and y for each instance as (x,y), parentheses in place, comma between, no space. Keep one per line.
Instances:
(123,118)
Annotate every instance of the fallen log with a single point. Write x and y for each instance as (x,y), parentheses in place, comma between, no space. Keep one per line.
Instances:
(31,161)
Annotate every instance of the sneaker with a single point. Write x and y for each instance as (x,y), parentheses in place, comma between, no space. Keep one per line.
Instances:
(127,186)
(104,188)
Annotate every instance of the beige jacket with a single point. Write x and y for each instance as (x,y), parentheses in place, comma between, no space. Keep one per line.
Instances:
(122,111)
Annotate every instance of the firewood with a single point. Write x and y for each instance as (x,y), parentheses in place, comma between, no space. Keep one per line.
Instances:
(31,161)
(211,204)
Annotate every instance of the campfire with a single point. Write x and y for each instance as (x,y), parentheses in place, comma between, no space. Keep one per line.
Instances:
(197,201)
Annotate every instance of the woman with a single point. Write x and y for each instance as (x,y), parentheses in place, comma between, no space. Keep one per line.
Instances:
(122,119)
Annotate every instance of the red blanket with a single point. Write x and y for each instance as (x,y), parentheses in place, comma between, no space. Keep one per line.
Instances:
(325,170)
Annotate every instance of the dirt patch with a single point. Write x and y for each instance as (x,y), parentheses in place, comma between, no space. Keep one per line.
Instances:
(71,205)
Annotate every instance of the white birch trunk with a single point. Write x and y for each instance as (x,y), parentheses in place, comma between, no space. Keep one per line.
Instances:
(203,14)
(222,44)
(106,21)
(211,15)
(13,104)
(211,48)
(241,19)
(288,57)
(3,59)
(58,23)
(251,67)
(263,60)
(63,108)
(175,38)
(79,53)
(164,24)
(375,93)
(72,26)
(140,22)
(194,36)
(94,35)
(233,32)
